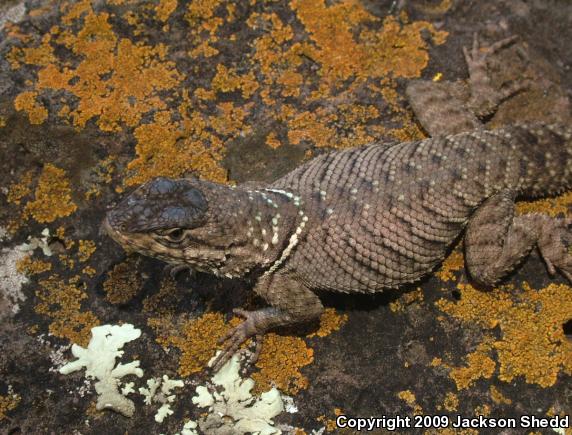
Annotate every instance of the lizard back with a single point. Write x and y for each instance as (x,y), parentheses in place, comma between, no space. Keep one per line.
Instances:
(383,215)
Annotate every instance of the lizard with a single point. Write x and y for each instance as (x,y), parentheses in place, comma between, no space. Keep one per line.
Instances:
(371,218)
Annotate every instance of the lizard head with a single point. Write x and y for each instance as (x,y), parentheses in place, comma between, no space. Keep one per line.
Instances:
(168,219)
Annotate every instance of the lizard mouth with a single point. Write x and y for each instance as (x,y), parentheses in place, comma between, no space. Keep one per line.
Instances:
(108,228)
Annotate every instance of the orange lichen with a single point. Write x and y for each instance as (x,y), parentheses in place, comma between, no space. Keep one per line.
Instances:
(479,365)
(406,299)
(42,55)
(227,80)
(557,206)
(89,271)
(29,266)
(28,102)
(163,149)
(116,81)
(533,344)
(330,321)
(67,241)
(454,262)
(196,339)
(52,198)
(165,301)
(280,362)
(202,12)
(102,173)
(498,397)
(399,50)
(123,283)
(20,189)
(272,141)
(409,397)
(8,403)
(329,423)
(62,303)
(451,402)
(165,8)
(85,250)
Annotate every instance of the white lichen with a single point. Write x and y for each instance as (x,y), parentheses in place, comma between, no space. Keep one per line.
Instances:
(99,362)
(164,396)
(11,281)
(189,428)
(232,407)
(128,388)
(38,242)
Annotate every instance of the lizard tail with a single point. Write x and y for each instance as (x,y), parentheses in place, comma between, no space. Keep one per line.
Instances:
(545,154)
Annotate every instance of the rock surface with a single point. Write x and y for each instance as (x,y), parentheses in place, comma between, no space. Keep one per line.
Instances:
(96,97)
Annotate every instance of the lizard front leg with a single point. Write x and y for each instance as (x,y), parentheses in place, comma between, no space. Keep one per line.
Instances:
(496,240)
(291,303)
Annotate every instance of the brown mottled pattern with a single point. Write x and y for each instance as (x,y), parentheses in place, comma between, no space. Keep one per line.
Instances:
(371,218)
(381,216)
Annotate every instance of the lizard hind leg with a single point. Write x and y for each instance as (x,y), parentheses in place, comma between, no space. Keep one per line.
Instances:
(496,240)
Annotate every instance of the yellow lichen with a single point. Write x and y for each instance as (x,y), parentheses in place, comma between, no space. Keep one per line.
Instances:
(272,141)
(163,149)
(330,321)
(17,191)
(478,365)
(102,173)
(227,80)
(28,102)
(8,403)
(498,397)
(454,262)
(280,362)
(557,206)
(62,303)
(532,343)
(85,249)
(406,299)
(409,397)
(89,271)
(451,402)
(42,55)
(52,197)
(123,283)
(328,423)
(165,301)
(29,266)
(196,339)
(165,8)
(398,49)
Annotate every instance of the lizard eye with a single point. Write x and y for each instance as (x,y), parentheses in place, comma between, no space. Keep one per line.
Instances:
(173,235)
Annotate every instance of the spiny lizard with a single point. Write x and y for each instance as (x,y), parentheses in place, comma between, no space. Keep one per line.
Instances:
(370,218)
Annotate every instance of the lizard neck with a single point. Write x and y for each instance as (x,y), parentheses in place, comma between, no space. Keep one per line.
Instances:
(261,227)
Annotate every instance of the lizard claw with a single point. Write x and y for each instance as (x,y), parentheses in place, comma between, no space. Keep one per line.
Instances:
(238,335)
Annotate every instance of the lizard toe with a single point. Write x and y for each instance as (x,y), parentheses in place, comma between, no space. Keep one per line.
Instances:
(554,245)
(234,338)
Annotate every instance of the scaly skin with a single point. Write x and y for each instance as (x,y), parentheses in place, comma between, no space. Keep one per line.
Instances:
(368,219)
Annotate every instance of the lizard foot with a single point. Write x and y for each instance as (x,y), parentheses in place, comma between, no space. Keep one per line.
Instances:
(484,97)
(554,245)
(236,336)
